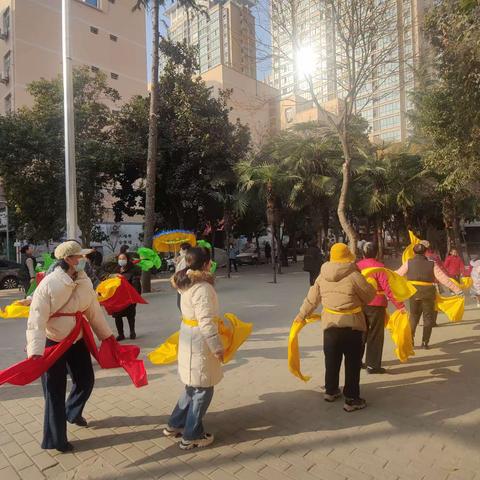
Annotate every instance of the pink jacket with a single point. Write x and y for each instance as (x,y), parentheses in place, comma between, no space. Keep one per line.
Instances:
(380,299)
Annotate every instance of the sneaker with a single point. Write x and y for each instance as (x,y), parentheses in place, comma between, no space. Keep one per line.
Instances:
(371,370)
(120,338)
(332,397)
(173,432)
(352,404)
(133,335)
(203,442)
(425,346)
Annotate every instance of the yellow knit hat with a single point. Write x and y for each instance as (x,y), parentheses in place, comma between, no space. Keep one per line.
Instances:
(340,253)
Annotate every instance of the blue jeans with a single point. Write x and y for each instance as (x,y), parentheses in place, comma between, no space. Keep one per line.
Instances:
(190,410)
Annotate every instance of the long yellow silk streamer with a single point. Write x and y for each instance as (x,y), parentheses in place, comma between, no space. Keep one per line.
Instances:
(232,338)
(401,288)
(401,332)
(408,252)
(15,310)
(452,307)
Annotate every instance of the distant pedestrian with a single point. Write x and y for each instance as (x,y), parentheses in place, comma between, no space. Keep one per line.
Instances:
(30,264)
(96,257)
(343,291)
(200,350)
(454,265)
(475,264)
(124,249)
(180,263)
(132,274)
(312,261)
(232,257)
(268,252)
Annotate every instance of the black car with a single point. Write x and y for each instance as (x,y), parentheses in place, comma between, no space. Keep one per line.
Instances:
(12,275)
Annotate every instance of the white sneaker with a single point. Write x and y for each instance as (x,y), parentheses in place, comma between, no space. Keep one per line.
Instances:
(203,442)
(173,432)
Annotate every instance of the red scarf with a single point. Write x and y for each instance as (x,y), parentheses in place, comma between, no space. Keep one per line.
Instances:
(110,355)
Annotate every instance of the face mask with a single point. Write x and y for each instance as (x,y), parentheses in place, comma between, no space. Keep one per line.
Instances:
(122,263)
(80,266)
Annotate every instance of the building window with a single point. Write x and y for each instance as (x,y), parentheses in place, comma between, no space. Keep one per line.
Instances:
(8,103)
(92,3)
(113,38)
(94,30)
(5,23)
(94,69)
(114,76)
(6,63)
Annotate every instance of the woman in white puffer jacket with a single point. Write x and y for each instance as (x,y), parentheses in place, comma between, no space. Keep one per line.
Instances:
(200,350)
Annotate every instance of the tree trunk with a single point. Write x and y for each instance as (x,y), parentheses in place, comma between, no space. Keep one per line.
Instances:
(342,201)
(379,234)
(448,220)
(149,226)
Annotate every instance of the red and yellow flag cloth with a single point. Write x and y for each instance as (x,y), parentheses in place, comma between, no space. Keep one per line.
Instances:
(232,337)
(116,294)
(110,355)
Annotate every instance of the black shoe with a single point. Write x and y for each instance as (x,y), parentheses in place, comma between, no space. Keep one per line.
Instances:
(81,422)
(425,346)
(352,404)
(66,449)
(133,335)
(120,337)
(380,370)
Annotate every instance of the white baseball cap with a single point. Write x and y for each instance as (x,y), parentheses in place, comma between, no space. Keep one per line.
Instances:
(67,249)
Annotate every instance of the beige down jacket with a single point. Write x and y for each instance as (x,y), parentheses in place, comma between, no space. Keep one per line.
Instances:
(197,364)
(340,286)
(58,292)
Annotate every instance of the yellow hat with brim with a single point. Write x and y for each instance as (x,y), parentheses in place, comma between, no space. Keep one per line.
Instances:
(70,248)
(340,253)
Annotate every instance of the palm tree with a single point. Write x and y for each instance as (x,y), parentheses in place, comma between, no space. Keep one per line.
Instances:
(151,176)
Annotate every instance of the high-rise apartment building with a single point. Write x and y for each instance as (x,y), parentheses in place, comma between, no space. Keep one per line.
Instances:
(226,36)
(385,99)
(225,39)
(105,35)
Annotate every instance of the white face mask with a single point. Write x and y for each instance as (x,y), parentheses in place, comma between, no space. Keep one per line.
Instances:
(80,266)
(122,263)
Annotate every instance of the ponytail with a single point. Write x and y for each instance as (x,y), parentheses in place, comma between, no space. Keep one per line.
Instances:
(196,258)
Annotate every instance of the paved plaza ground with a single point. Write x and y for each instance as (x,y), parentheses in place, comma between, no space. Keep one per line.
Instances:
(422,420)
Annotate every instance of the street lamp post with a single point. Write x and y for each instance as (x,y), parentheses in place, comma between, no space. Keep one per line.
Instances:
(68,112)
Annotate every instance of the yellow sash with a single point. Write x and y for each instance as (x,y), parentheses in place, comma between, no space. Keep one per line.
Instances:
(350,311)
(421,284)
(232,338)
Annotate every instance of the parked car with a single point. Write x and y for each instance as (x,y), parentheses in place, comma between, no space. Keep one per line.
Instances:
(12,274)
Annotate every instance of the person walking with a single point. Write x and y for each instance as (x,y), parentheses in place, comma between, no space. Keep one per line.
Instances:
(454,265)
(343,292)
(268,252)
(232,257)
(376,311)
(423,274)
(180,263)
(132,274)
(475,264)
(55,303)
(200,350)
(30,264)
(312,261)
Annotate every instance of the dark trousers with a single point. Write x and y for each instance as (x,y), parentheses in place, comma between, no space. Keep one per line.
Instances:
(423,303)
(179,298)
(234,263)
(78,363)
(339,343)
(375,336)
(130,312)
(313,277)
(190,410)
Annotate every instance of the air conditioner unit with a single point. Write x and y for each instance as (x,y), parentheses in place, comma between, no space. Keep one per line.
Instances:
(4,78)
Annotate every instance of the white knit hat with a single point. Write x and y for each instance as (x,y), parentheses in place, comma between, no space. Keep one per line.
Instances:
(67,249)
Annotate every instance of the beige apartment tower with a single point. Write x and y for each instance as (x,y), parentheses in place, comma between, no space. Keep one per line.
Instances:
(105,35)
